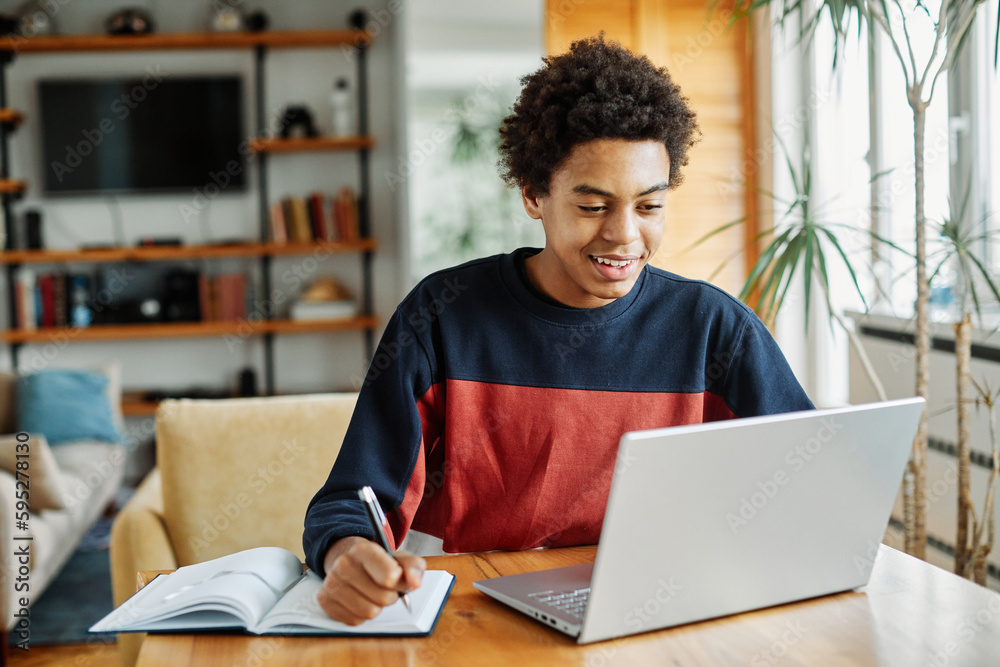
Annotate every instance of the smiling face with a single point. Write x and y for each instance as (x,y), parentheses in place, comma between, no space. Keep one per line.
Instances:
(603,220)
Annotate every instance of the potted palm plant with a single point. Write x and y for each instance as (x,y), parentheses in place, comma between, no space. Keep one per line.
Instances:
(948,21)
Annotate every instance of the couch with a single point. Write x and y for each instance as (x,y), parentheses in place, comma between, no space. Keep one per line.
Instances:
(231,474)
(72,481)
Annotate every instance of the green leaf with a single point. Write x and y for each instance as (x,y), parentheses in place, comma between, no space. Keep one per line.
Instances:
(847,263)
(808,269)
(717,230)
(784,269)
(762,265)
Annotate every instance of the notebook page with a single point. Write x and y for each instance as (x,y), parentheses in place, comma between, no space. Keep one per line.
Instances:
(299,612)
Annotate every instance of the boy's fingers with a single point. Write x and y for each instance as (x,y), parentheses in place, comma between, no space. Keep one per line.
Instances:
(413,570)
(377,564)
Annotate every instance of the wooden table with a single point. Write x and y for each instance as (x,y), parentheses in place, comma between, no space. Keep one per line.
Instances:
(911,613)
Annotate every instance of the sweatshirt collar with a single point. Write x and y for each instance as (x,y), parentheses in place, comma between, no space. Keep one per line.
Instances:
(515,277)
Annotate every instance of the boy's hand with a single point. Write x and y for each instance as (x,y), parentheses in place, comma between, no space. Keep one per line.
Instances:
(361,578)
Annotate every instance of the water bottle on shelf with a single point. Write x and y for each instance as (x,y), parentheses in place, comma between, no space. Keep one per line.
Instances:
(342,101)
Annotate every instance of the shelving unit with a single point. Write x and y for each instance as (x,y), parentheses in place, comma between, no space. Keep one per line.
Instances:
(262,250)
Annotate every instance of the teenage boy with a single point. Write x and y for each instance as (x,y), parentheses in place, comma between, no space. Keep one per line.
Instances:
(491,414)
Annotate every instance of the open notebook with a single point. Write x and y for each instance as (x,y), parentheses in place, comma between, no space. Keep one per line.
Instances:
(263,591)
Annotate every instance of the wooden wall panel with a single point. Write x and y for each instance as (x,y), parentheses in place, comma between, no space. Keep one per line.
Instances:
(711,62)
(568,20)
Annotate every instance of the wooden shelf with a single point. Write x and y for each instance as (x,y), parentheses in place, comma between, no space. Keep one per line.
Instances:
(10,116)
(359,245)
(166,253)
(183,40)
(10,186)
(361,322)
(135,406)
(307,144)
(186,329)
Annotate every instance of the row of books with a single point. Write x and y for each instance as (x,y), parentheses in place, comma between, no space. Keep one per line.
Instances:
(318,217)
(222,298)
(47,300)
(51,300)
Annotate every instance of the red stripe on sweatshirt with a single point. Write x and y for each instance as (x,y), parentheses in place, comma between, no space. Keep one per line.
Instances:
(513,467)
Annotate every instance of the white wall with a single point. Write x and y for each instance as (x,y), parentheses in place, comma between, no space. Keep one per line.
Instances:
(464,56)
(303,362)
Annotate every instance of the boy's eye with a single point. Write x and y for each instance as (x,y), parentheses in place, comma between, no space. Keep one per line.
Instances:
(651,207)
(593,209)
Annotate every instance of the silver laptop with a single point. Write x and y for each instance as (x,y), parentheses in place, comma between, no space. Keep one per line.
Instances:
(719,518)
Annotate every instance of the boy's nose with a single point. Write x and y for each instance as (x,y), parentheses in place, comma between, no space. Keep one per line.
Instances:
(621,227)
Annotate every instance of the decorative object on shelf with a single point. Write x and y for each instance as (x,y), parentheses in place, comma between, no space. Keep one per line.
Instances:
(80,313)
(181,299)
(226,17)
(131,21)
(257,21)
(35,18)
(248,382)
(297,116)
(9,25)
(155,241)
(33,230)
(324,299)
(357,18)
(342,102)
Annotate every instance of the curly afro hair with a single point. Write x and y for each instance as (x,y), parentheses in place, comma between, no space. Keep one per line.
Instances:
(596,90)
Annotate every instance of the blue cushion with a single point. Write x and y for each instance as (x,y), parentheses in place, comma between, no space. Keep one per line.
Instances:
(65,405)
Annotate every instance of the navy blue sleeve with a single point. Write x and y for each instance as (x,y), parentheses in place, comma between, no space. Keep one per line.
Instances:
(759,380)
(380,447)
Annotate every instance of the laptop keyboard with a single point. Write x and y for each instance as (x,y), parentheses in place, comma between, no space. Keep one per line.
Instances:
(573,603)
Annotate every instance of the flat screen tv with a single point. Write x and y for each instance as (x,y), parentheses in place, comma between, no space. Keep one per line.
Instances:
(166,134)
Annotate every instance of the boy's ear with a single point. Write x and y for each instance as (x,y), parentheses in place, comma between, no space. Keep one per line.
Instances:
(532,202)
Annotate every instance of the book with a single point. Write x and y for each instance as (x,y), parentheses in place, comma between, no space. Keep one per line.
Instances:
(316,216)
(263,591)
(59,300)
(230,290)
(322,310)
(279,232)
(345,208)
(206,297)
(26,282)
(47,288)
(301,229)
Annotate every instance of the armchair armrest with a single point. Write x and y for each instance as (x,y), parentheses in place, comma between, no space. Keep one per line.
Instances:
(139,541)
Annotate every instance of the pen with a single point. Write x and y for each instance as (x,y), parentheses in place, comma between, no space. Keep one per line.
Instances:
(378,521)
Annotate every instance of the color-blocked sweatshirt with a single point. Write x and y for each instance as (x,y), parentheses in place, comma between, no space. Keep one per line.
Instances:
(490,415)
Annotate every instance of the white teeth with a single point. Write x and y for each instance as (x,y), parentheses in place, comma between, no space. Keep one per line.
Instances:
(613,262)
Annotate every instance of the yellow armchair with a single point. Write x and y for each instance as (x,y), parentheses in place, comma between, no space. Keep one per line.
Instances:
(231,474)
